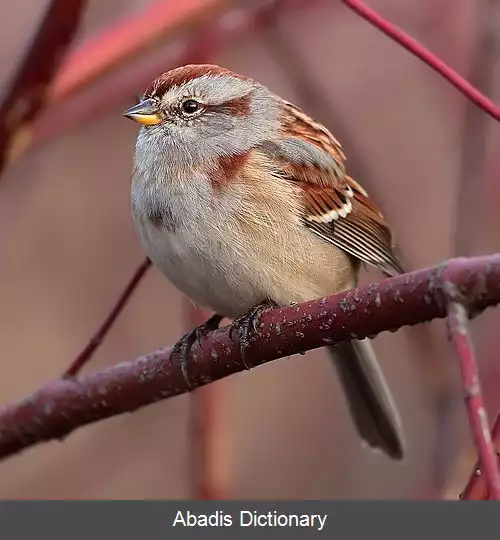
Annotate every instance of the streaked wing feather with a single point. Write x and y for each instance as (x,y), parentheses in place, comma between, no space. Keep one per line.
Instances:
(336,207)
(362,233)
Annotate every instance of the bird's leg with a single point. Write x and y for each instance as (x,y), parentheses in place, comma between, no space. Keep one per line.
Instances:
(248,323)
(183,347)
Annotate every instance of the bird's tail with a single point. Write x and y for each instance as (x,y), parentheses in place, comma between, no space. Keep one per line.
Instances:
(370,401)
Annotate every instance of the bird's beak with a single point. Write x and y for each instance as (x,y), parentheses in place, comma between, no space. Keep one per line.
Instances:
(145,112)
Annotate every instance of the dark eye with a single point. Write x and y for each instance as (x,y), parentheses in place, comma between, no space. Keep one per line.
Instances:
(190,106)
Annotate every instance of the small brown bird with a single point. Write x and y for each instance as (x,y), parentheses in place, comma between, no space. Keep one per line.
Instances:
(243,202)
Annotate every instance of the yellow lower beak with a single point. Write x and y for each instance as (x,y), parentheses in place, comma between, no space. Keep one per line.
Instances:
(145,112)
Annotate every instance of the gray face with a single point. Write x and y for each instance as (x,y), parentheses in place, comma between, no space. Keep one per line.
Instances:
(203,119)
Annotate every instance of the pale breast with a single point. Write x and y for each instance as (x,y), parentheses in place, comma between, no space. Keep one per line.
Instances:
(190,238)
(203,270)
(231,252)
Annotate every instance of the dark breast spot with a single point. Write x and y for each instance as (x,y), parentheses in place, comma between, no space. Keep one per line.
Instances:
(162,217)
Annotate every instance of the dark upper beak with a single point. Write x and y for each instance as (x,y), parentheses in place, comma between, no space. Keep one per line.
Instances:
(146,112)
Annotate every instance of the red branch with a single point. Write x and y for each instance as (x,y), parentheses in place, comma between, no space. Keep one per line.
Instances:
(64,405)
(97,338)
(477,487)
(28,92)
(478,419)
(417,49)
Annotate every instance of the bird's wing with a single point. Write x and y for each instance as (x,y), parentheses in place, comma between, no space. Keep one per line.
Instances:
(335,207)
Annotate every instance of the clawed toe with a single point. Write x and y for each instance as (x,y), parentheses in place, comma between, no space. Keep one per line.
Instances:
(183,347)
(248,323)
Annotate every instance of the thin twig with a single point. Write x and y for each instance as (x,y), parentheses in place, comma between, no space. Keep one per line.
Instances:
(478,419)
(417,49)
(97,338)
(61,406)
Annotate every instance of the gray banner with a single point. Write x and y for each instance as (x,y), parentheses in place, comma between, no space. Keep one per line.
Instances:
(68,520)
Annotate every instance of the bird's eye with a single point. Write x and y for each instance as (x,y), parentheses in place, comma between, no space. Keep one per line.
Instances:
(190,106)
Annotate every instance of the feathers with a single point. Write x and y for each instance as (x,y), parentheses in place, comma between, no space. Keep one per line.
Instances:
(368,396)
(335,207)
(362,231)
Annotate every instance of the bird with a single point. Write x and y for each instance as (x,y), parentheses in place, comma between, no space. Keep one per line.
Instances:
(244,203)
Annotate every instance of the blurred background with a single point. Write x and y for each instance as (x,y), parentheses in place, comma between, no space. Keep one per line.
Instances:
(68,246)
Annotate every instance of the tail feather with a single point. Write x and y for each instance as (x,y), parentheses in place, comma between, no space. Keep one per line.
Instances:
(370,401)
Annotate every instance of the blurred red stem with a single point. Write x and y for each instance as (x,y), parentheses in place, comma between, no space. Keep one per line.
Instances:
(475,132)
(415,48)
(27,94)
(94,342)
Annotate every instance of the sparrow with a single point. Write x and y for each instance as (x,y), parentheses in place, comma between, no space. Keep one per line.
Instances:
(243,202)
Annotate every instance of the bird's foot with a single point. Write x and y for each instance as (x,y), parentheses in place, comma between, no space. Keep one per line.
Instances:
(183,347)
(248,323)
